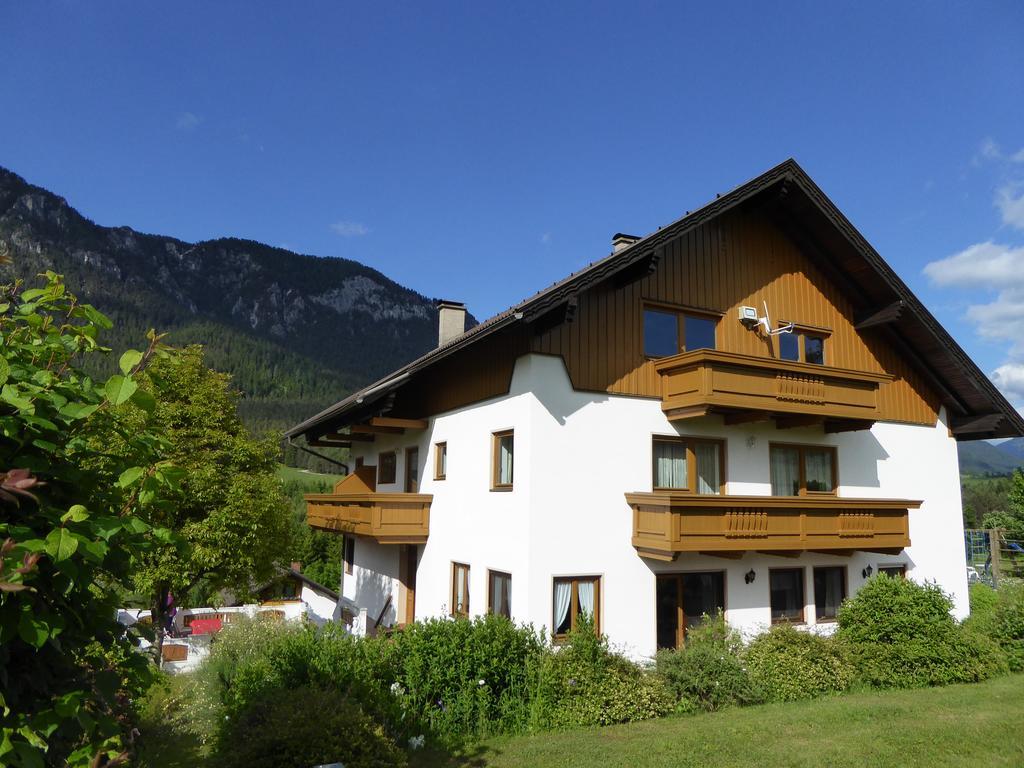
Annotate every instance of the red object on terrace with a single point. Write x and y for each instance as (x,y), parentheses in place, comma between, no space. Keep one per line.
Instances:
(205,626)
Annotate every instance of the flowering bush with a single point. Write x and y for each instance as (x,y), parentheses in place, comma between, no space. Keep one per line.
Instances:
(787,664)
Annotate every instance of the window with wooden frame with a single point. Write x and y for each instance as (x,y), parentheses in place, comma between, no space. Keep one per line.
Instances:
(803,470)
(503,449)
(682,600)
(350,553)
(803,345)
(895,571)
(387,465)
(829,591)
(691,464)
(574,597)
(359,461)
(440,461)
(669,331)
(787,595)
(499,593)
(460,590)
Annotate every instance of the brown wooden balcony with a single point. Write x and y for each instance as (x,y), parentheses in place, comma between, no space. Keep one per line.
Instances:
(667,523)
(356,508)
(747,388)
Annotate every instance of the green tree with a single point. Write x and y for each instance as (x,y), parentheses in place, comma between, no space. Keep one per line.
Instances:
(72,519)
(1012,517)
(228,507)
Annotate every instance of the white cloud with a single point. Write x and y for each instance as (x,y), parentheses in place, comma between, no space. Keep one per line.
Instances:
(986,265)
(990,150)
(1018,156)
(1010,202)
(545,238)
(1010,380)
(187,121)
(350,228)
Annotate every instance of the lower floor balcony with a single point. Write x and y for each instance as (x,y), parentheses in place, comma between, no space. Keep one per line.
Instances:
(355,507)
(668,523)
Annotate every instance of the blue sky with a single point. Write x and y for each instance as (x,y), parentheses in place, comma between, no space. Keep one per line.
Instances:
(480,151)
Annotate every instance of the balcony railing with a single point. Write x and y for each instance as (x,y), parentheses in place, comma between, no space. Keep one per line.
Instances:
(667,523)
(357,508)
(705,380)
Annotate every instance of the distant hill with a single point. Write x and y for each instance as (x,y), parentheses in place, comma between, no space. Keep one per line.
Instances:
(983,458)
(296,332)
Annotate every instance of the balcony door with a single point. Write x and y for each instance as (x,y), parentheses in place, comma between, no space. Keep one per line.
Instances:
(412,470)
(682,601)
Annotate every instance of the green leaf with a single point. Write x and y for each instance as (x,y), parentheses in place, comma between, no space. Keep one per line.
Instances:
(76,514)
(5,370)
(61,544)
(32,630)
(96,317)
(129,476)
(129,360)
(78,410)
(118,389)
(11,396)
(144,400)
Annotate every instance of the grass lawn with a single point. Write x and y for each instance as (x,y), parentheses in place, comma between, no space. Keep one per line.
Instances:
(959,725)
(305,477)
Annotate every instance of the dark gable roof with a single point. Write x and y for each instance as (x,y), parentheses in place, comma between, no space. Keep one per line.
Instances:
(796,204)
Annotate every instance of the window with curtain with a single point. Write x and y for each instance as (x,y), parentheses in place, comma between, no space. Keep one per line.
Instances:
(504,443)
(668,332)
(829,591)
(895,571)
(460,590)
(412,470)
(799,470)
(440,461)
(574,597)
(787,594)
(499,593)
(687,464)
(350,553)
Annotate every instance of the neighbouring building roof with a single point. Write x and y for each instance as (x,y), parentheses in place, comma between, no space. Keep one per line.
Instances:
(976,407)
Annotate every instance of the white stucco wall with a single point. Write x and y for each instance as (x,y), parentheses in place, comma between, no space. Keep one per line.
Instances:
(578,453)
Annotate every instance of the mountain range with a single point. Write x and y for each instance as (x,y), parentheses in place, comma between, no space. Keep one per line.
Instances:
(984,458)
(296,332)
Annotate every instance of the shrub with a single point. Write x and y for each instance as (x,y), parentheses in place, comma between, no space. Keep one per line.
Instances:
(709,672)
(585,683)
(303,727)
(468,677)
(1001,618)
(788,664)
(901,635)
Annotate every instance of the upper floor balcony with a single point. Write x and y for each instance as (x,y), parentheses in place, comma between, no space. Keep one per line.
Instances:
(355,507)
(666,523)
(747,388)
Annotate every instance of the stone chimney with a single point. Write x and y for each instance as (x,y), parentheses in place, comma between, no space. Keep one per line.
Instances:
(451,321)
(620,241)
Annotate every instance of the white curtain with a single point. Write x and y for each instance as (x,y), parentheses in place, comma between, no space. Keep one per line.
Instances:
(708,480)
(670,465)
(585,594)
(505,461)
(460,590)
(785,470)
(819,470)
(563,594)
(502,590)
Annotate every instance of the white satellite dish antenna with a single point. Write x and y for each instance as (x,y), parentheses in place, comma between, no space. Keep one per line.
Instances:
(766,323)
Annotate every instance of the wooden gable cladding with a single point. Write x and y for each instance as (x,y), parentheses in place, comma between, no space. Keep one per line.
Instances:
(739,259)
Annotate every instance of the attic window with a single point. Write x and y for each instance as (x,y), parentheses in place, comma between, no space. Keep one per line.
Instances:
(668,332)
(803,346)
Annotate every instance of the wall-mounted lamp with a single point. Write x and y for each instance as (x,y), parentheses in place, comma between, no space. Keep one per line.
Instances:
(750,576)
(866,573)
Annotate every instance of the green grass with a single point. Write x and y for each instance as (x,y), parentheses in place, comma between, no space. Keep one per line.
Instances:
(953,726)
(304,477)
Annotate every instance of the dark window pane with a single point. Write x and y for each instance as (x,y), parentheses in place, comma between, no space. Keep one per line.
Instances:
(829,592)
(895,571)
(501,594)
(814,350)
(700,332)
(668,611)
(789,346)
(661,333)
(787,595)
(703,593)
(818,470)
